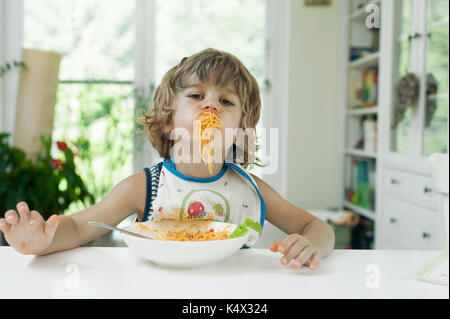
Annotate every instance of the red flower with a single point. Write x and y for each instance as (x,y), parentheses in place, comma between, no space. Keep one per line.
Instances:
(56,163)
(61,145)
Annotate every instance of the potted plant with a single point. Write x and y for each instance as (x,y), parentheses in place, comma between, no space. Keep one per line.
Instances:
(49,185)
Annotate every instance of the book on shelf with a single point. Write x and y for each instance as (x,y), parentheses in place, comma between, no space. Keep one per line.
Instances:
(370,88)
(361,191)
(363,89)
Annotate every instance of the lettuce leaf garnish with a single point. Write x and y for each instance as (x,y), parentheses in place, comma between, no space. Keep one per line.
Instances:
(242,230)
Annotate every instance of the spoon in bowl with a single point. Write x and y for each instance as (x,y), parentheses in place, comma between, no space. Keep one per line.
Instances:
(118,229)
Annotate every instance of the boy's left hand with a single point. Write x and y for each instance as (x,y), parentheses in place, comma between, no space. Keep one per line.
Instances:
(299,249)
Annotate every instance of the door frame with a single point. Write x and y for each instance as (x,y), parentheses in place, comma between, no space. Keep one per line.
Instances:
(276,91)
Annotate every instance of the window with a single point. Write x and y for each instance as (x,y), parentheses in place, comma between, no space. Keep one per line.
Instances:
(186,27)
(93,111)
(435,139)
(421,47)
(400,135)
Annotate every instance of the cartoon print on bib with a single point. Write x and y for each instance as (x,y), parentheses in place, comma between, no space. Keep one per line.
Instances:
(205,204)
(196,210)
(198,204)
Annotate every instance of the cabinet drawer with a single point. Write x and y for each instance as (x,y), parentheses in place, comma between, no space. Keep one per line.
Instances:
(407,226)
(424,190)
(394,228)
(398,182)
(427,233)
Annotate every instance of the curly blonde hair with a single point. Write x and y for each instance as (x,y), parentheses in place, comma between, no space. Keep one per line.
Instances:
(209,64)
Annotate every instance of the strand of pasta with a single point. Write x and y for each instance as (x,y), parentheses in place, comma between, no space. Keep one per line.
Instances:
(205,125)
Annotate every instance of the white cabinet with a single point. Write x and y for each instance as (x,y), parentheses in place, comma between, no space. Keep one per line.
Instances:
(398,182)
(423,191)
(413,38)
(409,217)
(409,226)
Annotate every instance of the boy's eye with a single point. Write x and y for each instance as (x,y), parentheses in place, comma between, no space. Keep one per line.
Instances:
(224,101)
(198,96)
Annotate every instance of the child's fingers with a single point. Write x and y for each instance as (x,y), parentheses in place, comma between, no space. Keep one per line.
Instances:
(11,217)
(295,250)
(314,261)
(35,218)
(4,225)
(287,243)
(303,257)
(274,246)
(24,211)
(51,225)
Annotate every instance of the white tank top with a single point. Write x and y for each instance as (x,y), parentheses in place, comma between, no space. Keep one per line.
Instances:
(231,196)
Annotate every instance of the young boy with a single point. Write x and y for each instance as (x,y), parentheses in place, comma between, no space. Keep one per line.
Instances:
(210,81)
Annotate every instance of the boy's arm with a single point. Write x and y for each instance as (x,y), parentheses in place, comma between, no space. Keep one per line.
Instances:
(294,220)
(125,199)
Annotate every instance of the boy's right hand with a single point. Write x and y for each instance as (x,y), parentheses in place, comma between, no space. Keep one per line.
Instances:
(27,232)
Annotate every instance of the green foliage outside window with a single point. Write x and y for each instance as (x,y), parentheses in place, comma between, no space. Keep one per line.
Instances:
(49,184)
(98,120)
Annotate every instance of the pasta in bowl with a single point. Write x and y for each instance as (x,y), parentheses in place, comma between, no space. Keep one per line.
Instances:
(185,244)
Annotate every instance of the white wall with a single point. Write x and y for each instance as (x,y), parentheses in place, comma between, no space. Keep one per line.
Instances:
(313,106)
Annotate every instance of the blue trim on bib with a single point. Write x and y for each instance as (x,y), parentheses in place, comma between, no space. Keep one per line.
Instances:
(152,176)
(263,204)
(148,193)
(171,167)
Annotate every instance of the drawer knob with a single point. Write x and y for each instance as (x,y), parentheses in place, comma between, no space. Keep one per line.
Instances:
(427,190)
(426,235)
(392,220)
(394,181)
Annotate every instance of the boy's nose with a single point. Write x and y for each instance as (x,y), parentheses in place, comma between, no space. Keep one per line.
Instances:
(210,105)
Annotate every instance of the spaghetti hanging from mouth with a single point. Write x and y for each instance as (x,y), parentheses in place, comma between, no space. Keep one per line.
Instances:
(204,130)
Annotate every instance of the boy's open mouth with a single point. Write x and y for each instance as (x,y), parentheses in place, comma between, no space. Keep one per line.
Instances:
(209,110)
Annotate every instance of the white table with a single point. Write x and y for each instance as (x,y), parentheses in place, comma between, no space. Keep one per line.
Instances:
(104,272)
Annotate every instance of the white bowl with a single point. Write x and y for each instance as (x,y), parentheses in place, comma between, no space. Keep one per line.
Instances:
(182,254)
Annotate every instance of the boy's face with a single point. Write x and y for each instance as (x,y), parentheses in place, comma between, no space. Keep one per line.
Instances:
(190,102)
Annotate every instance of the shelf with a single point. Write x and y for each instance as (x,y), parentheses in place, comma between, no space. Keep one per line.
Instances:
(362,111)
(361,153)
(359,12)
(366,61)
(362,211)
